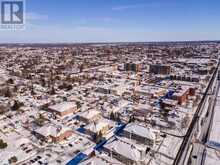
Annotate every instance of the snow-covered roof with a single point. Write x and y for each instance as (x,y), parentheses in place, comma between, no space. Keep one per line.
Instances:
(61,107)
(89,114)
(52,130)
(140,131)
(99,125)
(126,149)
(101,159)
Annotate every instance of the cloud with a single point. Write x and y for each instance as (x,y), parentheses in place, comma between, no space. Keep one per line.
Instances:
(138,6)
(125,7)
(35,16)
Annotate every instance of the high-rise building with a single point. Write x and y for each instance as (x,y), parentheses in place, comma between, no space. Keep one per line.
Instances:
(160,69)
(135,67)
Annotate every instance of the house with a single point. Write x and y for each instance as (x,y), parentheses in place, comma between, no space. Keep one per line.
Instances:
(64,108)
(142,109)
(53,133)
(100,159)
(90,116)
(126,152)
(140,133)
(102,126)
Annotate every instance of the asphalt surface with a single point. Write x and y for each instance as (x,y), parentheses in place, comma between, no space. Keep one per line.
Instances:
(192,131)
(198,152)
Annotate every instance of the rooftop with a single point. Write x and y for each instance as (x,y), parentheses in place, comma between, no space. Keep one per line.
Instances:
(140,130)
(61,107)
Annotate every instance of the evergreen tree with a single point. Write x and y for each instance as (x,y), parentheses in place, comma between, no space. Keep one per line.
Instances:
(112,116)
(8,93)
(3,144)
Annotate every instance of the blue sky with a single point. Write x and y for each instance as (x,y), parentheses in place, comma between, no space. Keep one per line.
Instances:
(118,20)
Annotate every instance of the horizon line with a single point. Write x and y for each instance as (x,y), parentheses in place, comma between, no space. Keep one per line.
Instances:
(107,42)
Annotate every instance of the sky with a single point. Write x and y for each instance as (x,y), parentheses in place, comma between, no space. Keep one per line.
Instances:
(60,21)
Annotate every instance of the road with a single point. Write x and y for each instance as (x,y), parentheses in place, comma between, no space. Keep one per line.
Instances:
(198,152)
(181,158)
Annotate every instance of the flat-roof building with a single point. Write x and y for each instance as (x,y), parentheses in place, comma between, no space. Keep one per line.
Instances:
(126,152)
(64,108)
(140,133)
(90,116)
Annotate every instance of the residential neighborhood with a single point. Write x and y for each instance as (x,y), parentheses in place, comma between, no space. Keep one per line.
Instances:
(119,103)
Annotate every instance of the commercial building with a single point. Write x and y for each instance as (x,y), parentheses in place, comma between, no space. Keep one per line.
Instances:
(160,69)
(64,108)
(192,78)
(140,133)
(135,67)
(150,91)
(182,93)
(169,104)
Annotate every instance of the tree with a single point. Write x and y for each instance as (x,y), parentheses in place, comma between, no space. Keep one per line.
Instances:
(43,82)
(16,105)
(52,91)
(131,119)
(135,98)
(8,93)
(69,87)
(10,81)
(40,120)
(118,117)
(13,159)
(81,67)
(32,90)
(78,104)
(112,116)
(15,90)
(3,144)
(98,136)
(3,109)
(115,117)
(64,99)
